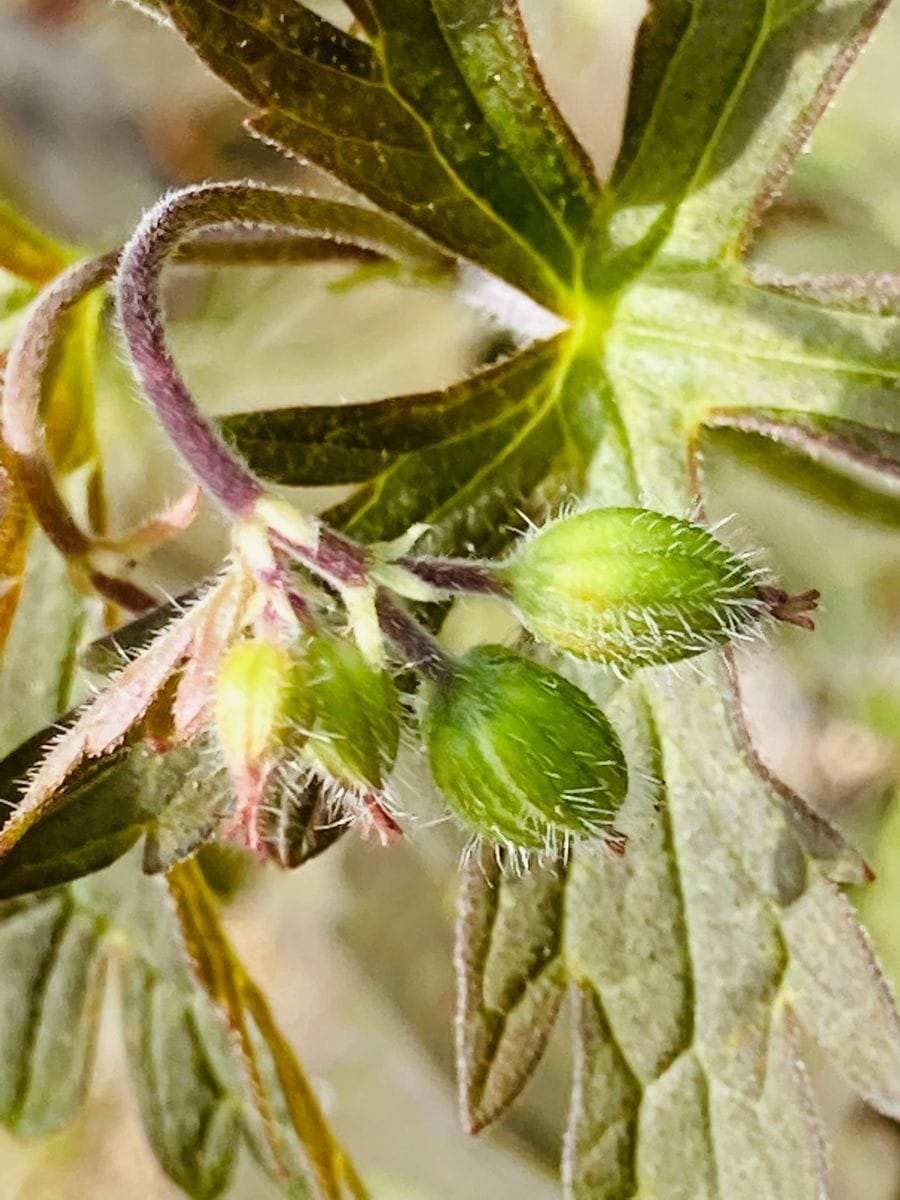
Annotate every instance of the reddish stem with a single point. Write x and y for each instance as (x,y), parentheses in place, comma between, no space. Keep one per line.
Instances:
(790,609)
(27,363)
(455,575)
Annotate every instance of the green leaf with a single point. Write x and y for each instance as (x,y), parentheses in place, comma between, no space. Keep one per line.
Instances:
(37,675)
(56,949)
(26,252)
(196,1098)
(105,807)
(468,487)
(432,457)
(286,1105)
(722,100)
(350,443)
(96,819)
(511,981)
(53,972)
(433,120)
(695,955)
(188,1090)
(685,345)
(698,956)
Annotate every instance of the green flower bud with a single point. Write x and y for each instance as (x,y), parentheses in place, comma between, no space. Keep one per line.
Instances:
(523,756)
(251,686)
(356,729)
(629,587)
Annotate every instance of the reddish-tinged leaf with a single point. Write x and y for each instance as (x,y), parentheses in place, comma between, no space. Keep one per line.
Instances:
(101,727)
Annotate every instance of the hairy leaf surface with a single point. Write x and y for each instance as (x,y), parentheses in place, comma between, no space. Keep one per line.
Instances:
(723,98)
(511,978)
(196,1099)
(459,460)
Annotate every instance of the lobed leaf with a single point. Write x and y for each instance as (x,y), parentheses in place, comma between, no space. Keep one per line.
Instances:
(196,1098)
(722,99)
(174,800)
(691,958)
(428,120)
(694,957)
(685,346)
(510,981)
(53,973)
(285,1103)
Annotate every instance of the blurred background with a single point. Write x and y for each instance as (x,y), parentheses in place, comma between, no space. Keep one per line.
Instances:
(100,111)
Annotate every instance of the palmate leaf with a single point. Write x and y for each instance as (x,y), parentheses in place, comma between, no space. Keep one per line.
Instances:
(459,460)
(194,1098)
(698,957)
(199,1098)
(722,99)
(434,119)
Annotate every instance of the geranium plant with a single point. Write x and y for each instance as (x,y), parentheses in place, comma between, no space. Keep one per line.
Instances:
(620,838)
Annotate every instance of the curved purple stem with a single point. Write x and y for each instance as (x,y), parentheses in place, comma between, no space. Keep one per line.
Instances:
(28,360)
(140,313)
(236,207)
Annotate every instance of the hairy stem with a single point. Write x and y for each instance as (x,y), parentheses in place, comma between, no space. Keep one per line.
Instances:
(237,208)
(22,430)
(420,649)
(455,575)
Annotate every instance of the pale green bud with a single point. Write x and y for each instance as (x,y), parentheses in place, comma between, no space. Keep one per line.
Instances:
(629,587)
(521,755)
(250,691)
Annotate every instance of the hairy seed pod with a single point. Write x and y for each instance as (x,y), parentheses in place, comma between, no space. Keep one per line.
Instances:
(629,587)
(356,729)
(251,687)
(523,756)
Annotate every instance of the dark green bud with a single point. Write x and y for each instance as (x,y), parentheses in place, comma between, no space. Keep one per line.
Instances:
(356,728)
(628,587)
(523,756)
